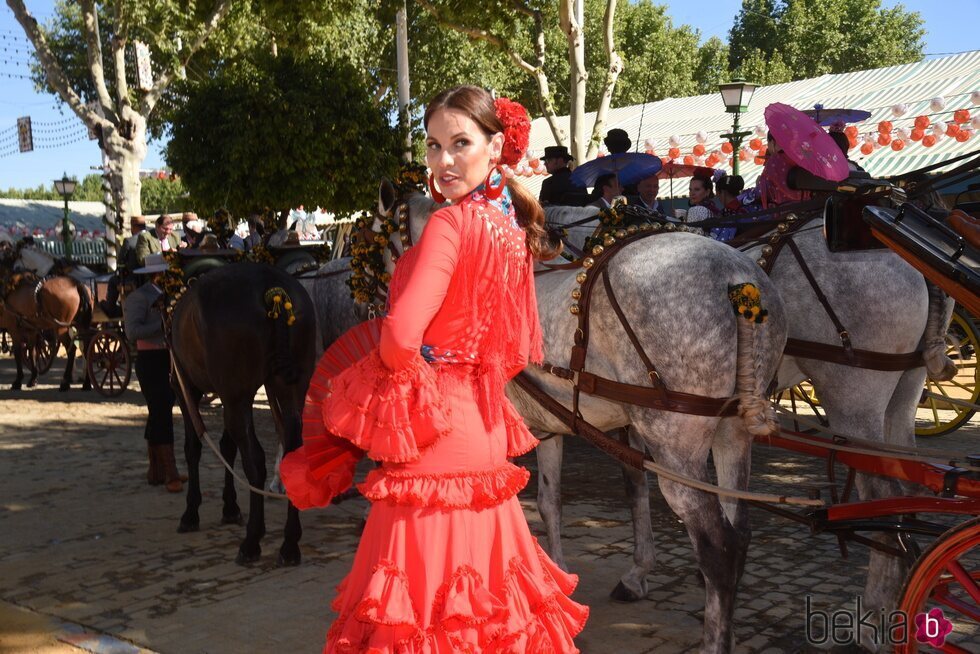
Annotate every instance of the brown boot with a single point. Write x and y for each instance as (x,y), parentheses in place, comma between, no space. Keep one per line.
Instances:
(174,481)
(154,473)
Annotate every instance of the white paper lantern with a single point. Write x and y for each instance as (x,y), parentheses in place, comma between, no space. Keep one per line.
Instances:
(701,136)
(761,131)
(975,122)
(899,110)
(699,161)
(903,133)
(939,130)
(508,172)
(937,104)
(674,141)
(975,97)
(648,144)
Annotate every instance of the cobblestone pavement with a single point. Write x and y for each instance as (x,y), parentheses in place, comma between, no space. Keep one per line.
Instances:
(83,539)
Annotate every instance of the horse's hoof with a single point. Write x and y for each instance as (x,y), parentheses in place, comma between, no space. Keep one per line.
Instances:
(64,387)
(623,594)
(15,387)
(244,558)
(188,527)
(290,561)
(237,519)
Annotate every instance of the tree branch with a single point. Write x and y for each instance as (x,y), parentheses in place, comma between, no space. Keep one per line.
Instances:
(612,74)
(90,21)
(535,70)
(119,58)
(52,70)
(160,86)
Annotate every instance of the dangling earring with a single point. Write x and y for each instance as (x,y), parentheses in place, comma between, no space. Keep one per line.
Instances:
(436,195)
(493,192)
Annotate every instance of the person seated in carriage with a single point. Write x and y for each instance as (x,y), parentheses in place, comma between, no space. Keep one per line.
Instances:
(647,190)
(558,185)
(606,190)
(773,184)
(126,263)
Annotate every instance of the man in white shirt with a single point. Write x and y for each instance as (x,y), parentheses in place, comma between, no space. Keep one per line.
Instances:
(648,188)
(606,188)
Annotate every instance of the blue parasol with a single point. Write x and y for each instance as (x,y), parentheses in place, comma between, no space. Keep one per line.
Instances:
(640,170)
(586,174)
(827,117)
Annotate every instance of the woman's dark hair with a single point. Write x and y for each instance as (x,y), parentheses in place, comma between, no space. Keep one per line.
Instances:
(706,183)
(731,184)
(477,104)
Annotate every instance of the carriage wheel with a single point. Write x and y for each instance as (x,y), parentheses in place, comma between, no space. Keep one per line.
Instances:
(45,351)
(962,345)
(109,363)
(947,576)
(803,396)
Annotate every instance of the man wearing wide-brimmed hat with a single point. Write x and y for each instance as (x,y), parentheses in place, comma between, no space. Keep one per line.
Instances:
(559,184)
(143,323)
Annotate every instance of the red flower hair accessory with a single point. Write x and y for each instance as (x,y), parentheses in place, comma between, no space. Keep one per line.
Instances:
(517,130)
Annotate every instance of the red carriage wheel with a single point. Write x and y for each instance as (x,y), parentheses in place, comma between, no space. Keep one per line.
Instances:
(45,350)
(947,576)
(109,363)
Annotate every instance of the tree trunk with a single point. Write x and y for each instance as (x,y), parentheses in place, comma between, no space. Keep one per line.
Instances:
(571,16)
(126,150)
(612,74)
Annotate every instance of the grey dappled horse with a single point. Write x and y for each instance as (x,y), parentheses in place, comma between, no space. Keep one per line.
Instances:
(674,291)
(886,306)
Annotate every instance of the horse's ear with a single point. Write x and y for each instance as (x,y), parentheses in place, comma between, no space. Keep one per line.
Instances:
(386,197)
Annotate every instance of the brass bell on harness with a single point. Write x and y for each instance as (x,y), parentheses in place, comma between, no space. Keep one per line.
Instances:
(782,227)
(597,250)
(631,230)
(403,227)
(766,250)
(581,277)
(645,227)
(670,227)
(620,233)
(577,294)
(588,262)
(575,309)
(609,240)
(656,227)
(761,262)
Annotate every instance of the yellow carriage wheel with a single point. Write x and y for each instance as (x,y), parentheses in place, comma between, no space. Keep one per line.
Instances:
(935,416)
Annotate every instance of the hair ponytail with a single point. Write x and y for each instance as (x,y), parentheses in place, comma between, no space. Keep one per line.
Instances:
(530,216)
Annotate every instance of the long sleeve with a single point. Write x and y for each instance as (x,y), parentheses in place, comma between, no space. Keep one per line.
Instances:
(425,290)
(141,320)
(142,248)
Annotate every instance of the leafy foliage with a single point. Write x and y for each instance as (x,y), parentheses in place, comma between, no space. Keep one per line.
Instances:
(780,40)
(279,132)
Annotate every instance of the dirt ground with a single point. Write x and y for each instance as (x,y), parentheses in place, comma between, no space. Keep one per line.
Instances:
(90,557)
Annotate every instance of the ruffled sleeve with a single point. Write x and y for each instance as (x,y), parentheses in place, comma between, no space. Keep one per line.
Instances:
(387,403)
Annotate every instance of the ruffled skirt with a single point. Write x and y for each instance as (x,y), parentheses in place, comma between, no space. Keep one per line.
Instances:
(447,562)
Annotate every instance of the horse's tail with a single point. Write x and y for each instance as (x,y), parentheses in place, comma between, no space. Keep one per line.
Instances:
(751,378)
(279,309)
(939,366)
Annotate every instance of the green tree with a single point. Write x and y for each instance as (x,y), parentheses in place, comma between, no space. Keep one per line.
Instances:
(774,41)
(279,131)
(165,196)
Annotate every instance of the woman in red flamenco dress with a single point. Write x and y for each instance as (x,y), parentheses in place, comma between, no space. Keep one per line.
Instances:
(446,562)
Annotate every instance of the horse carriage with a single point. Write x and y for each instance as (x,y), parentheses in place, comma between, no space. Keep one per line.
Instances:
(861,324)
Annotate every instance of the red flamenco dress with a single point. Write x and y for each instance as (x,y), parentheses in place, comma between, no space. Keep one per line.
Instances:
(446,562)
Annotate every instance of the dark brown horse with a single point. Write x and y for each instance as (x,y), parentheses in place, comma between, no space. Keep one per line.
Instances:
(237,328)
(59,304)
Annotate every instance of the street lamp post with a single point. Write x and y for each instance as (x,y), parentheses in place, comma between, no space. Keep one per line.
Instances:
(65,187)
(736,95)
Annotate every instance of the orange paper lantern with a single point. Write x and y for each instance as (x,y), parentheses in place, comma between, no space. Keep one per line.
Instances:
(664,160)
(743,155)
(688,160)
(922,122)
(962,135)
(698,150)
(533,163)
(726,147)
(928,140)
(760,161)
(884,138)
(952,129)
(917,134)
(852,142)
(885,127)
(711,160)
(755,144)
(961,115)
(898,144)
(867,148)
(851,131)
(673,153)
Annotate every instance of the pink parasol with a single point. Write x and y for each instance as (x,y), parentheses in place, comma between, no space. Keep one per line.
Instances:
(805,143)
